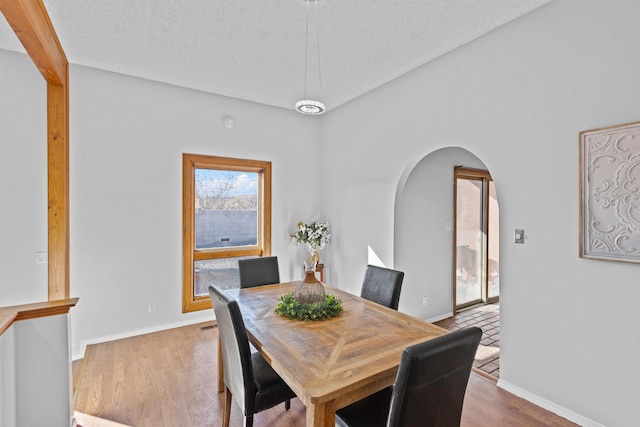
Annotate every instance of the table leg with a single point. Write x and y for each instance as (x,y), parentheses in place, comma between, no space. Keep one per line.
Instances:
(321,415)
(220,369)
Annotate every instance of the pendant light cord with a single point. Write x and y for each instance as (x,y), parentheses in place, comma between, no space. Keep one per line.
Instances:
(306,48)
(306,52)
(318,43)
(308,106)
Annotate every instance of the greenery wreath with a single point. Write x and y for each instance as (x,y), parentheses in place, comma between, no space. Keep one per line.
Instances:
(292,309)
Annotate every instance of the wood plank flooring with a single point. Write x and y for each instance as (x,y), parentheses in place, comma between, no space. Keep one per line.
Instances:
(486,317)
(169,378)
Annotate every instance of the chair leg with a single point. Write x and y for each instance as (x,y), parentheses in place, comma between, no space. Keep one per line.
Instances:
(248,421)
(220,368)
(287,405)
(226,415)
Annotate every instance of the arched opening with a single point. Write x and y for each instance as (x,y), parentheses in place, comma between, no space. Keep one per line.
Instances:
(425,246)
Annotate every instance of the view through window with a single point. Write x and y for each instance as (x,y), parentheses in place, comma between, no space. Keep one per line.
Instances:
(226,203)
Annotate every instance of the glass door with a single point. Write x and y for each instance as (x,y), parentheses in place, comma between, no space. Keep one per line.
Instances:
(493,272)
(476,238)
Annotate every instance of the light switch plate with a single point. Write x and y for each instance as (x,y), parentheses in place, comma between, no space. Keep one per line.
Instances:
(42,257)
(519,235)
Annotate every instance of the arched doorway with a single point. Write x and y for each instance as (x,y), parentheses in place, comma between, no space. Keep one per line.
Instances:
(425,246)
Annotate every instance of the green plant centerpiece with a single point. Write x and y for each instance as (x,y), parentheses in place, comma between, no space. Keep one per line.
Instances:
(292,309)
(309,301)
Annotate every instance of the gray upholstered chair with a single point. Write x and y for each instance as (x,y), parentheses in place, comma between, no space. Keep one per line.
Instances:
(429,388)
(248,378)
(382,285)
(258,271)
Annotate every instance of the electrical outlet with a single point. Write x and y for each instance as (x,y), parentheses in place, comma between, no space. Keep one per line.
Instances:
(152,307)
(424,300)
(448,225)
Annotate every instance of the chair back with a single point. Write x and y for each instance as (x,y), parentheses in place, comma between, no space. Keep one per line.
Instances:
(382,285)
(236,356)
(432,380)
(258,271)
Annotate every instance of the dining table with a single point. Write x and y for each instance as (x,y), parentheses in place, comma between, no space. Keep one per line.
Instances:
(330,363)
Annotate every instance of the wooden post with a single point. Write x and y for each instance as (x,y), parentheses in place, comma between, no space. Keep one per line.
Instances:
(58,190)
(31,23)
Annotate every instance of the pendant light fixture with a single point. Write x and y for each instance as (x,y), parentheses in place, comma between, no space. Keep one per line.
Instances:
(309,106)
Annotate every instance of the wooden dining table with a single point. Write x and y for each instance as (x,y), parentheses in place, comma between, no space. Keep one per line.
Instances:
(330,364)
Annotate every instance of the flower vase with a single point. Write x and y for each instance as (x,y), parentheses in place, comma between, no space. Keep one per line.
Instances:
(309,290)
(313,255)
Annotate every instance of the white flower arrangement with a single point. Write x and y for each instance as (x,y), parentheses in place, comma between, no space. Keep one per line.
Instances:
(314,234)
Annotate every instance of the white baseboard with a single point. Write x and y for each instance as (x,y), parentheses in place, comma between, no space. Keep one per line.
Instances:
(128,334)
(439,318)
(86,420)
(549,406)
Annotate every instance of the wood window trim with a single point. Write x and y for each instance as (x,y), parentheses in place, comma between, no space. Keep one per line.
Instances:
(191,162)
(31,24)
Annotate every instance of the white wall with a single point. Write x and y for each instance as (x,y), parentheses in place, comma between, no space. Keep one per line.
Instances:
(517,99)
(43,377)
(8,378)
(23,180)
(35,374)
(127,139)
(35,383)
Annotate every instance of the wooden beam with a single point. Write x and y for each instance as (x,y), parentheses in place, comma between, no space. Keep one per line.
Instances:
(31,23)
(58,190)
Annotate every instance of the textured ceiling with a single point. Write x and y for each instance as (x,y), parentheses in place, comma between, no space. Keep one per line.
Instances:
(255,50)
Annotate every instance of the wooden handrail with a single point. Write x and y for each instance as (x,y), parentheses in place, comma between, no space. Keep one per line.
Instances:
(14,313)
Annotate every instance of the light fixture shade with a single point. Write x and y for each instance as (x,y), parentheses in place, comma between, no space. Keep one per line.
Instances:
(307,106)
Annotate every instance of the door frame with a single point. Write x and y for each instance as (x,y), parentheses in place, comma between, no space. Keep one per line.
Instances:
(461,172)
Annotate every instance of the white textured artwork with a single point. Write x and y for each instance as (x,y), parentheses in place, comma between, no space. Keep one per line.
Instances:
(610,193)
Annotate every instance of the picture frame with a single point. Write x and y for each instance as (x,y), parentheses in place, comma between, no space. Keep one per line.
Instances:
(610,193)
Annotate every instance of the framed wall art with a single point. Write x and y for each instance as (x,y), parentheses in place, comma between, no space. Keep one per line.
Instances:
(610,193)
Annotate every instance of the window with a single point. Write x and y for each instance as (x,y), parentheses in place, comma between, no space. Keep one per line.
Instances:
(226,216)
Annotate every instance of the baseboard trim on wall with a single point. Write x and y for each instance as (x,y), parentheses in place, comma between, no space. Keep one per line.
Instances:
(439,318)
(86,420)
(129,334)
(548,405)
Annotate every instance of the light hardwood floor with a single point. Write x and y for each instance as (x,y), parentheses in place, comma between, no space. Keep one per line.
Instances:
(169,378)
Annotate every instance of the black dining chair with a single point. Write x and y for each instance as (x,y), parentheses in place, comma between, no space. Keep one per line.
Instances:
(429,388)
(248,379)
(258,271)
(382,285)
